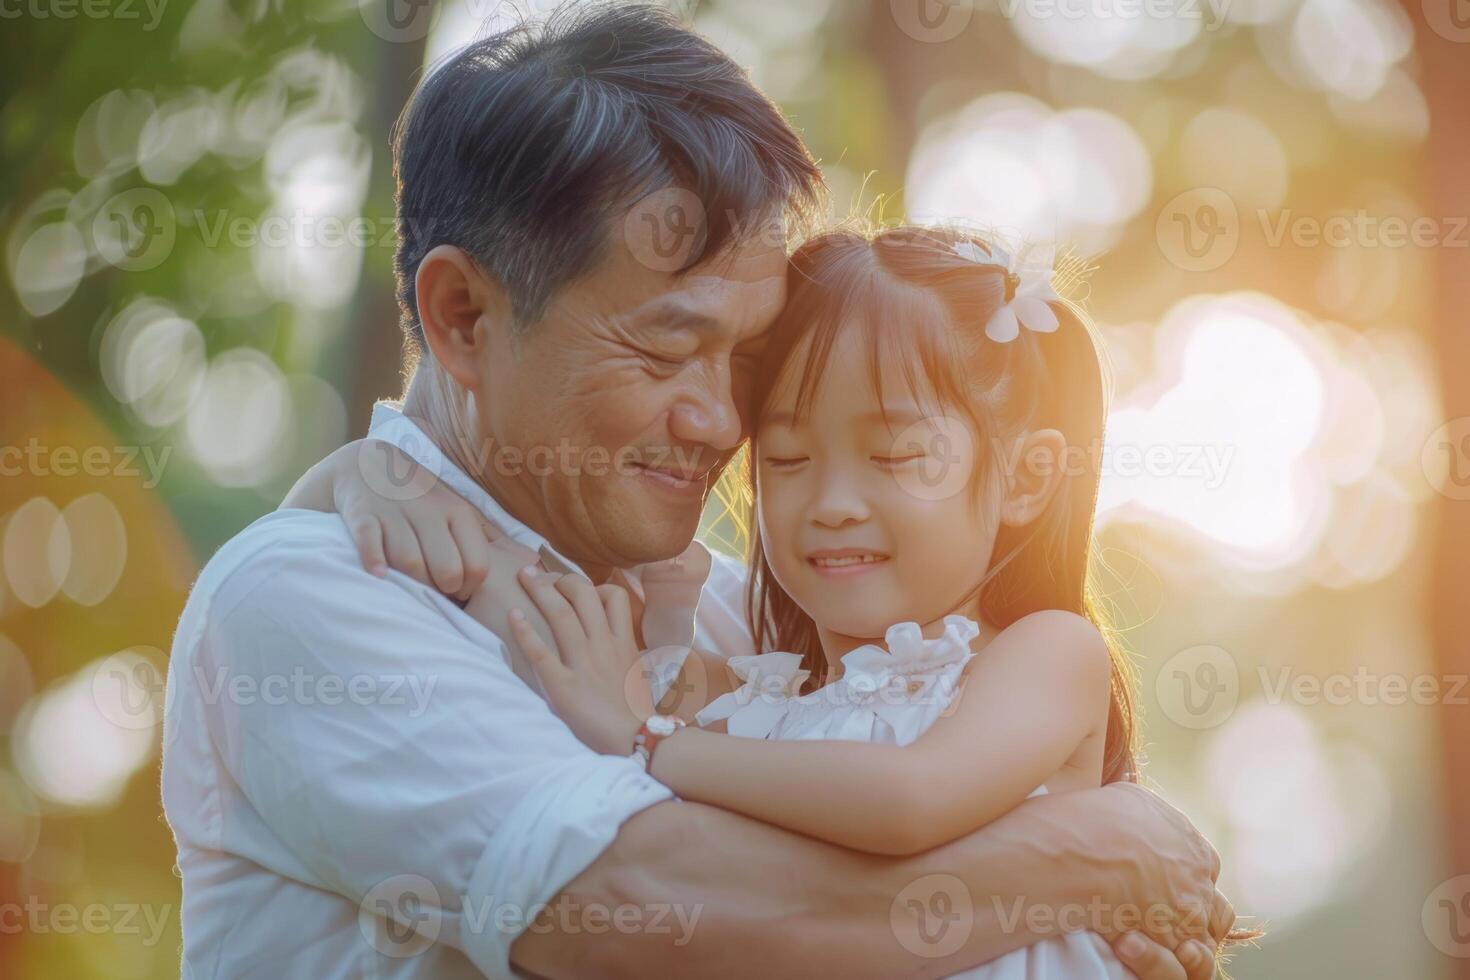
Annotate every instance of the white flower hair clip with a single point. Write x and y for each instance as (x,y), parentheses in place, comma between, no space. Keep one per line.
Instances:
(1029,291)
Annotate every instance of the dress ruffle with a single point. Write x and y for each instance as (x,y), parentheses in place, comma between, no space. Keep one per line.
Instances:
(887,693)
(891,693)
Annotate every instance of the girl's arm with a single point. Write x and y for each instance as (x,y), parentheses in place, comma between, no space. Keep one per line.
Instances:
(1027,703)
(1029,700)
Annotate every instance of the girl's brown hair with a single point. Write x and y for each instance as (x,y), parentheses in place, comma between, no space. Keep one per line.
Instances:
(923,307)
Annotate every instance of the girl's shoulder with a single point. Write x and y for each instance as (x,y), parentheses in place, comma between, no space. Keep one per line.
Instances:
(1055,623)
(1054,638)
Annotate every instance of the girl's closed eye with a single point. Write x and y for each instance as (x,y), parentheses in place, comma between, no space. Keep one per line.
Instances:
(892,461)
(784,462)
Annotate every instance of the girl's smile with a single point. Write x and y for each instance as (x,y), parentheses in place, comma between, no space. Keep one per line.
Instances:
(843,562)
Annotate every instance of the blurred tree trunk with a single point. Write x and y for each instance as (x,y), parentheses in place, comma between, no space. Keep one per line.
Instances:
(375,342)
(1446,80)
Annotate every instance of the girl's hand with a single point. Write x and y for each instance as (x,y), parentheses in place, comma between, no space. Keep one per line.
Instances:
(593,677)
(401,516)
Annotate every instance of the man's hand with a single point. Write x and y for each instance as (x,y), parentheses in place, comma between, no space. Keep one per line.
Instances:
(1171,925)
(1148,960)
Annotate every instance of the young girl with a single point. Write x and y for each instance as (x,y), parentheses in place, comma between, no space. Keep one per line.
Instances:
(919,568)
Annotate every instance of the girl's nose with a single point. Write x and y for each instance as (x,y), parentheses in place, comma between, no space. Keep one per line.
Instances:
(838,504)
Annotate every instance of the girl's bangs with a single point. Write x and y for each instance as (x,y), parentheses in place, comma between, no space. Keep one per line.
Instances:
(906,332)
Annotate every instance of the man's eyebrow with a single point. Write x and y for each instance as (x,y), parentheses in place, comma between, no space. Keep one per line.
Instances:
(674,315)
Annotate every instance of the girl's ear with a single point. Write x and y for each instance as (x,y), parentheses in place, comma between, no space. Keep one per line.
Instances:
(455,299)
(1041,462)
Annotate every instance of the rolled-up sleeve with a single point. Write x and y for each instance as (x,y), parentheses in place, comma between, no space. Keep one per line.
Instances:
(379,736)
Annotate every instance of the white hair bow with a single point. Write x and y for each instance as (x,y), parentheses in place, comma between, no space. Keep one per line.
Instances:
(1029,275)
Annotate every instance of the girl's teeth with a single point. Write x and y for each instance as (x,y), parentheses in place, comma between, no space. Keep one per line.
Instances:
(854,560)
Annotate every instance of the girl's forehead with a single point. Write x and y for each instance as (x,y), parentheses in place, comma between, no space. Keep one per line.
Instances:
(843,390)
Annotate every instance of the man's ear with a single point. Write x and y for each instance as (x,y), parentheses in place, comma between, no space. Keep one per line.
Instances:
(1040,470)
(459,307)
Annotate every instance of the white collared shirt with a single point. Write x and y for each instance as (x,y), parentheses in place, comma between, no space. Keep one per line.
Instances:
(358,783)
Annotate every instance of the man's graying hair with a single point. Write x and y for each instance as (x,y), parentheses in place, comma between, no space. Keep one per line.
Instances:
(522,147)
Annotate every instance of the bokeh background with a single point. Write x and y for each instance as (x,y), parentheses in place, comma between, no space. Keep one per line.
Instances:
(196,303)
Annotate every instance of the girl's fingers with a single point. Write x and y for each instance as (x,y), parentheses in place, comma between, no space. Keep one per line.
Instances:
(367,534)
(619,612)
(583,597)
(474,553)
(401,547)
(566,627)
(441,554)
(540,656)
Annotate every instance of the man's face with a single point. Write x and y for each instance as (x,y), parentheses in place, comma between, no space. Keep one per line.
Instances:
(628,399)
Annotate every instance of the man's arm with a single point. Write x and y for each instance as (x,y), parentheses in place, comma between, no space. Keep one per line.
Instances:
(380,738)
(773,903)
(462,778)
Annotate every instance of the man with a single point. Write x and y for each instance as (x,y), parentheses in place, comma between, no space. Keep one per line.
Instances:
(359,781)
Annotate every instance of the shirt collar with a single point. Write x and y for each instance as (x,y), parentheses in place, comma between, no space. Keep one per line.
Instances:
(389,424)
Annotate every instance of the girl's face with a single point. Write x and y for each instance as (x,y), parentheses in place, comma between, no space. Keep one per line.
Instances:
(866,523)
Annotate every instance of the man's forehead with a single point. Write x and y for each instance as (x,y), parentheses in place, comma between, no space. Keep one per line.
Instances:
(718,303)
(739,290)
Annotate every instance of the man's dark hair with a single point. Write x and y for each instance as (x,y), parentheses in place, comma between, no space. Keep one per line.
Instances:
(521,147)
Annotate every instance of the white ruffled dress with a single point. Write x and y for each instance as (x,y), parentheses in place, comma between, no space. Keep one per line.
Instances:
(891,696)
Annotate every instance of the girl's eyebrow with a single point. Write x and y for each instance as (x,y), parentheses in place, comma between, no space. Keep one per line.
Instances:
(782,418)
(905,414)
(902,414)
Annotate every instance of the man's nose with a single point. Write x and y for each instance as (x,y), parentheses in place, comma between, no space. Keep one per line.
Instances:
(709,417)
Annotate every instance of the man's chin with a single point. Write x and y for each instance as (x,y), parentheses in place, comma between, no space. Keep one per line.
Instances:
(648,531)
